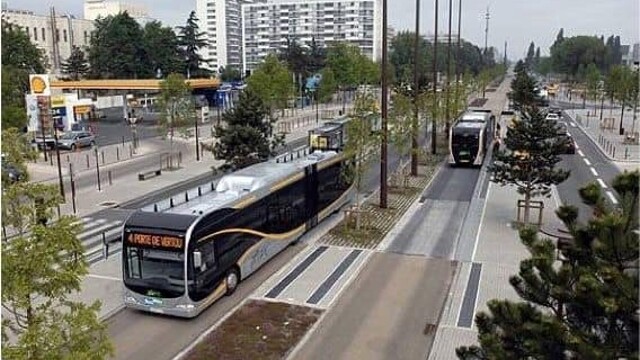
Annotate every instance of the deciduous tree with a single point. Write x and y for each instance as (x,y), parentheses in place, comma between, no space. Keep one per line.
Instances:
(328,85)
(361,143)
(175,104)
(162,50)
(271,82)
(42,267)
(20,57)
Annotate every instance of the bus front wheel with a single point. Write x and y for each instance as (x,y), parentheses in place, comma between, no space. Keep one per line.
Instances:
(231,280)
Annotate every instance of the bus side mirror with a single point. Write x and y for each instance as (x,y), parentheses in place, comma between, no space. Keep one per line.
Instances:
(197,259)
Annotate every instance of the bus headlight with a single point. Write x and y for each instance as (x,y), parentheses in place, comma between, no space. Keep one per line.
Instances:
(130,299)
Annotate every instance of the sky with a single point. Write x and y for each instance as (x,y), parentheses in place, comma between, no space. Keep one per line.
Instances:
(518,22)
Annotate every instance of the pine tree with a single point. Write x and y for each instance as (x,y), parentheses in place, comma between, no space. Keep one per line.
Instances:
(532,148)
(248,135)
(531,52)
(523,92)
(76,65)
(192,40)
(581,292)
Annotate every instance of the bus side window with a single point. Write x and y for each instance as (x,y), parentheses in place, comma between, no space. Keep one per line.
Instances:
(208,256)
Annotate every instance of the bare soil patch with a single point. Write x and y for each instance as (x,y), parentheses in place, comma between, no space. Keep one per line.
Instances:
(257,330)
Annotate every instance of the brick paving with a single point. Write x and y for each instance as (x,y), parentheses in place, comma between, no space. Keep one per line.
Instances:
(377,222)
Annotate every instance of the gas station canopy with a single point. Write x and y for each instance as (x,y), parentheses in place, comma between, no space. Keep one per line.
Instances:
(130,84)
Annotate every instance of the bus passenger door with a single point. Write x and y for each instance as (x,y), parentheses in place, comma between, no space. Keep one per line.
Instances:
(311,195)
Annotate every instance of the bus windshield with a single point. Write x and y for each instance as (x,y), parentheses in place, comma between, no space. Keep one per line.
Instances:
(154,272)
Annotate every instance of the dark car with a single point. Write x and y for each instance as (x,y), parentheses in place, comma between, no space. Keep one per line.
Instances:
(563,135)
(11,172)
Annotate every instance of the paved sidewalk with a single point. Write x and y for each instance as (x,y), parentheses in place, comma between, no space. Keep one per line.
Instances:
(603,127)
(496,257)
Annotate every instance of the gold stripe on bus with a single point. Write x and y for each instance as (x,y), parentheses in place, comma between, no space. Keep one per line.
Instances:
(268,236)
(244,202)
(325,211)
(217,294)
(255,246)
(286,182)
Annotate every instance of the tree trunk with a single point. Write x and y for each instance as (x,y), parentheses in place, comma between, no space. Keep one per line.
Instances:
(527,209)
(621,119)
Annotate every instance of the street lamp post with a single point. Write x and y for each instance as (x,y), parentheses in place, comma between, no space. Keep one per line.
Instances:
(416,88)
(637,96)
(434,127)
(383,145)
(197,141)
(55,137)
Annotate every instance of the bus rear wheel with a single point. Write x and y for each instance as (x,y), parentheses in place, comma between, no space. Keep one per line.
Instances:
(231,280)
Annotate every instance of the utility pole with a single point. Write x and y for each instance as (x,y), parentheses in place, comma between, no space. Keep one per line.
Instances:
(447,86)
(505,53)
(416,88)
(459,57)
(383,145)
(434,127)
(486,33)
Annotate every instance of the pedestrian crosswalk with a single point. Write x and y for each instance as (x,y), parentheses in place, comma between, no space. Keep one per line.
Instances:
(96,230)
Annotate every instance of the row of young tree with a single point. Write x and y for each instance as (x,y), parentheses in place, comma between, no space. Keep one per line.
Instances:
(580,293)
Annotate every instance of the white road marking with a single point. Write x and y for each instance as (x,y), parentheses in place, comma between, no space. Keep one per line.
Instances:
(577,147)
(580,153)
(604,186)
(99,229)
(573,124)
(556,196)
(104,277)
(484,208)
(612,198)
(594,172)
(586,161)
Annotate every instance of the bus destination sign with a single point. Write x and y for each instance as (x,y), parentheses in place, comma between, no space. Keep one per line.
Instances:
(155,241)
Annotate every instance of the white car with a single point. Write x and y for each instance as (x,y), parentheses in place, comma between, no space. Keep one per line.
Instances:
(553,117)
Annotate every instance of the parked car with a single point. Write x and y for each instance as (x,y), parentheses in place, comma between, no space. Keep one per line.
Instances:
(553,117)
(76,139)
(49,142)
(10,171)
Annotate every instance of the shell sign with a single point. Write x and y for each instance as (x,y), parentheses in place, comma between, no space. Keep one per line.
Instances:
(39,85)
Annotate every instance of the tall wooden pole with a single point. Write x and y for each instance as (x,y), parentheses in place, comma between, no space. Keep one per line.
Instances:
(416,90)
(434,126)
(447,85)
(383,145)
(459,57)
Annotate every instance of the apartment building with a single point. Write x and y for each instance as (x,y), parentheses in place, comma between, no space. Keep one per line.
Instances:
(54,33)
(267,26)
(221,22)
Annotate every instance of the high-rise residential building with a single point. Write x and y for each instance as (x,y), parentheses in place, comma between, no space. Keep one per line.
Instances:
(56,34)
(267,26)
(94,9)
(221,23)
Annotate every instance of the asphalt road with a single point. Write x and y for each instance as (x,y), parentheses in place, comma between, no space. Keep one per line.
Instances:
(163,336)
(586,166)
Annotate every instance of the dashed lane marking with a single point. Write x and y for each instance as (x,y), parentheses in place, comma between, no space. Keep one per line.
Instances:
(593,171)
(612,198)
(580,153)
(604,186)
(573,124)
(586,161)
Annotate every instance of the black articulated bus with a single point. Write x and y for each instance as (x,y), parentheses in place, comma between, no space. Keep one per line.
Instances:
(469,136)
(180,259)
